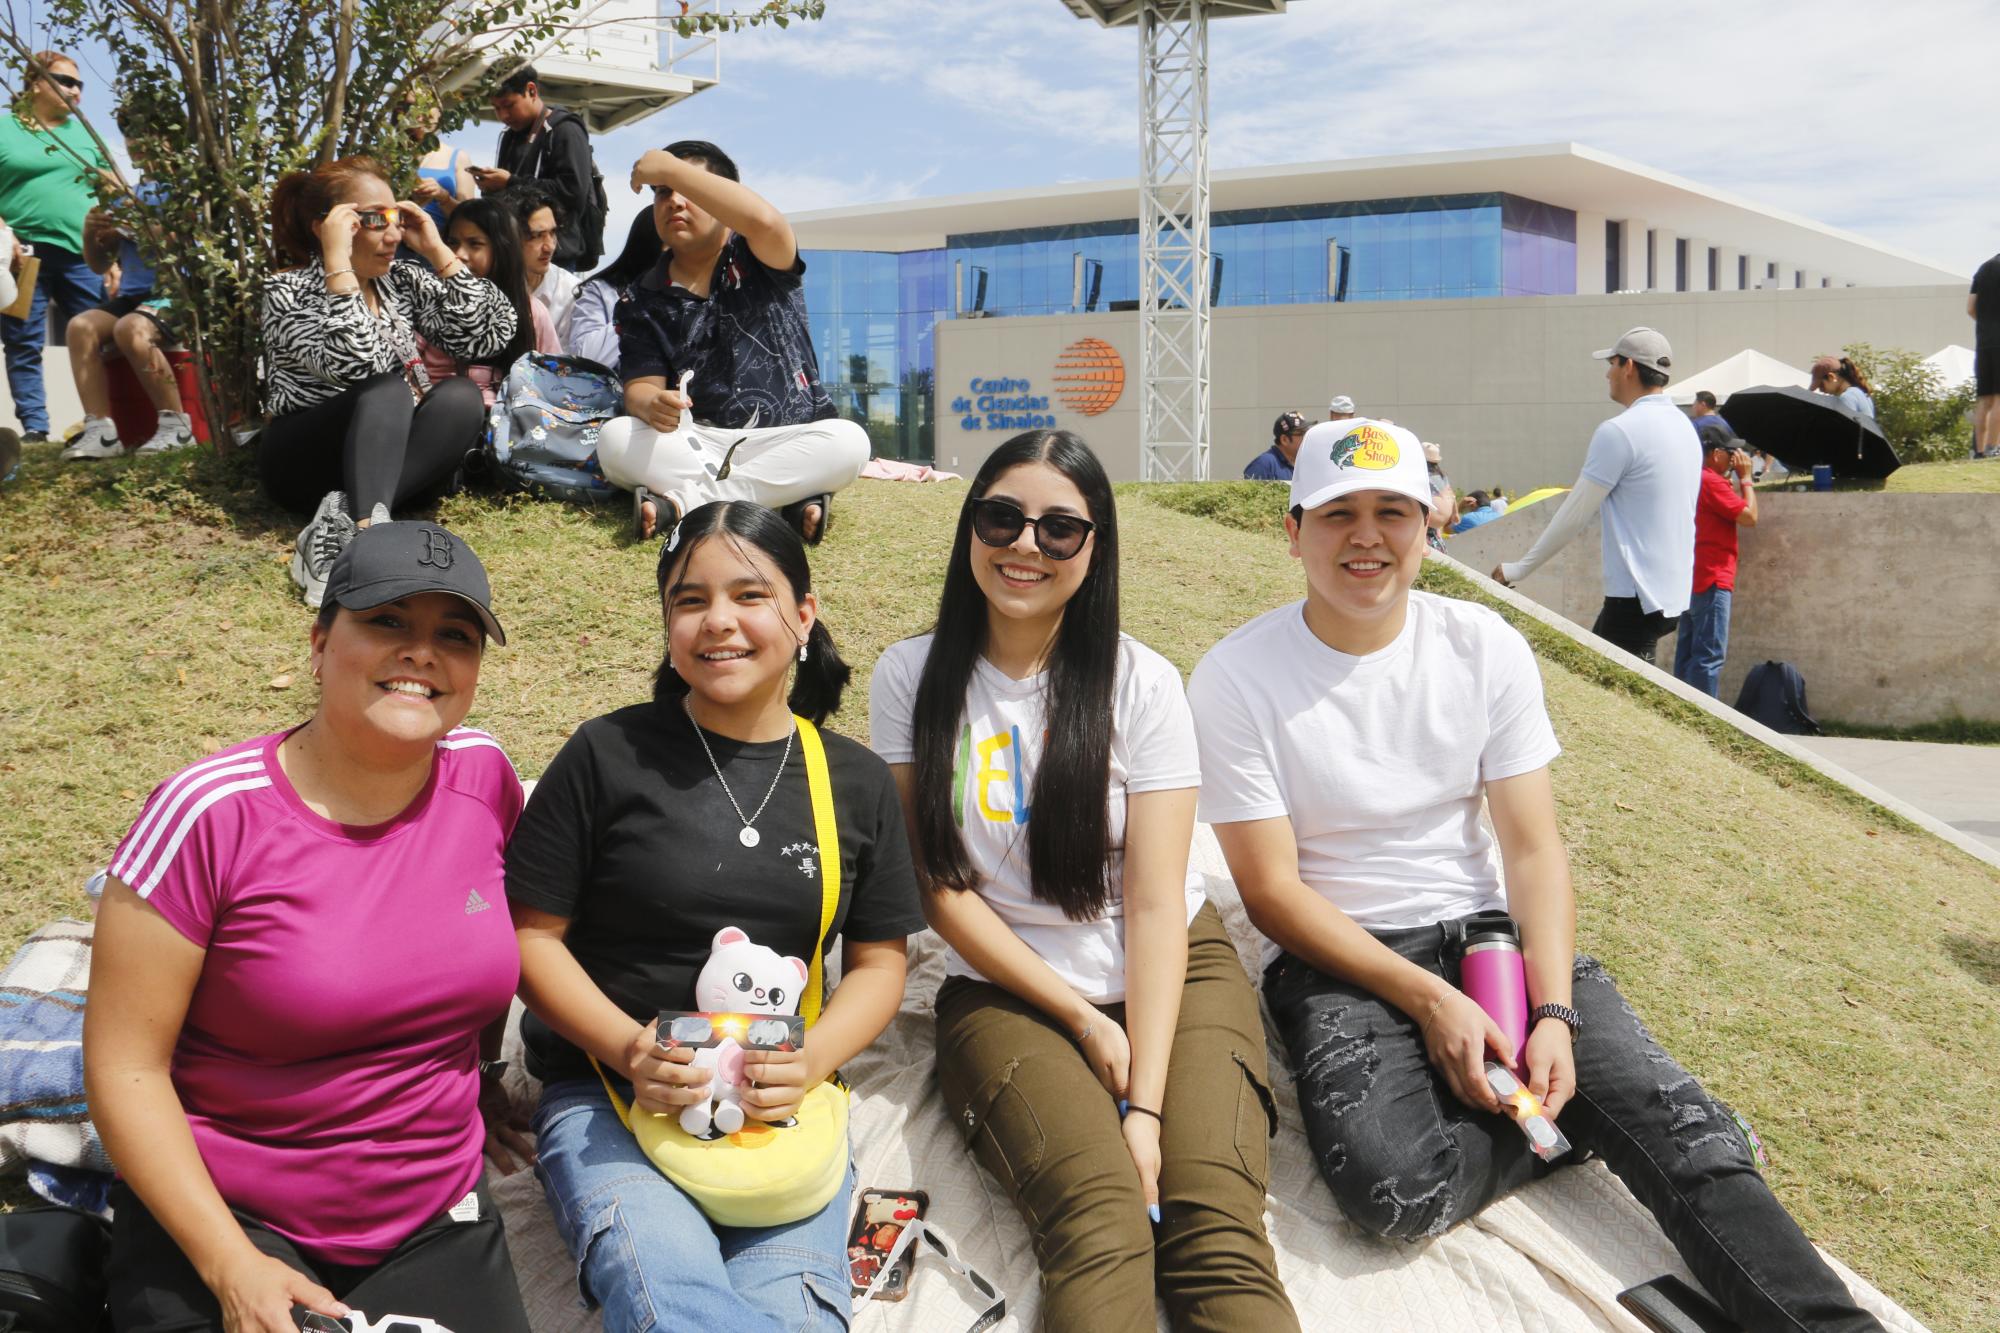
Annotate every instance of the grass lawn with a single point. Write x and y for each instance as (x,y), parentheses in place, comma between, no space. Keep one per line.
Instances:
(1964,477)
(1832,972)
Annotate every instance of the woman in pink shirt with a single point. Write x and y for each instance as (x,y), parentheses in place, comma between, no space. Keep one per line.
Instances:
(303,943)
(487,239)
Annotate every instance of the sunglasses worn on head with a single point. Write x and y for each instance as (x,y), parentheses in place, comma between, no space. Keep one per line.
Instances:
(1057,536)
(69,81)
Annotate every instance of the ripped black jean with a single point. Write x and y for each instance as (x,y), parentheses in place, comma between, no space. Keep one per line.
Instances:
(1407,1160)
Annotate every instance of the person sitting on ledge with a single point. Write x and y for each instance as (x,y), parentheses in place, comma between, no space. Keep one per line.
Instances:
(725,306)
(1348,745)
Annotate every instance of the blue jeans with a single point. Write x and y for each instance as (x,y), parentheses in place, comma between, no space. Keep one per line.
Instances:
(68,281)
(652,1259)
(1407,1160)
(1703,642)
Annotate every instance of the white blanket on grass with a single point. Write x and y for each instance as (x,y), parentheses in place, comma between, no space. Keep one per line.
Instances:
(1549,1258)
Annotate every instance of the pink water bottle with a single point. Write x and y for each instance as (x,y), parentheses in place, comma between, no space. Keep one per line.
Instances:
(1493,975)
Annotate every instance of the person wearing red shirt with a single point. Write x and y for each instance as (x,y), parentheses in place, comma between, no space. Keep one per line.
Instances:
(1727,502)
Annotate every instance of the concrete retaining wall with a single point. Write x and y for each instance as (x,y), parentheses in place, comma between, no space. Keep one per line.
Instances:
(1887,603)
(1505,384)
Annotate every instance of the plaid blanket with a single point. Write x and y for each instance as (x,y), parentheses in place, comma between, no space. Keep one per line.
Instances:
(42,1113)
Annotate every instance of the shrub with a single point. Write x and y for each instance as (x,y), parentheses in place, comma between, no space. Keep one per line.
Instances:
(1925,421)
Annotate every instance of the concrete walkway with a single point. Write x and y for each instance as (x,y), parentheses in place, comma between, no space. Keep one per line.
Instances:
(1959,784)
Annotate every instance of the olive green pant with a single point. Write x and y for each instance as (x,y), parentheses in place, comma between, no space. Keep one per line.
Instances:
(1017,1086)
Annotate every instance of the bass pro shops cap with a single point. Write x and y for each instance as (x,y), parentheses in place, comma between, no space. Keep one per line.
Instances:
(1343,456)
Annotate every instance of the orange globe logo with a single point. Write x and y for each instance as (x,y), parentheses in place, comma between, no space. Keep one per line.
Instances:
(1090,375)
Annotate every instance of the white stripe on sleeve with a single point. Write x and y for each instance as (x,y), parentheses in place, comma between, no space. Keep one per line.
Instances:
(154,815)
(135,858)
(187,823)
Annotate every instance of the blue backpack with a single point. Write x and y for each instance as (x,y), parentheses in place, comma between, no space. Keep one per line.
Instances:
(545,420)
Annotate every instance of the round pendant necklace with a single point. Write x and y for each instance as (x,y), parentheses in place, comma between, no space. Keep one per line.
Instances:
(749,837)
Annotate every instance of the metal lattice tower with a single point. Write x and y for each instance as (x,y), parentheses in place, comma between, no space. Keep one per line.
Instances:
(1174,270)
(1173,241)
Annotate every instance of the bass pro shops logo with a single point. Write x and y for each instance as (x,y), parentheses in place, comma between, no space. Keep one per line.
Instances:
(1369,447)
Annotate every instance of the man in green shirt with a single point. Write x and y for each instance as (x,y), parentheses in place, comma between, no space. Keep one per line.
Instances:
(47,158)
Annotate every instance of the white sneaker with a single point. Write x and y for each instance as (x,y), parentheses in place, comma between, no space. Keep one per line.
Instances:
(97,439)
(319,545)
(379,514)
(175,432)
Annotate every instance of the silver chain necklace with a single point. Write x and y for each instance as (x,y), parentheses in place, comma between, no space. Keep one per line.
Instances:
(749,837)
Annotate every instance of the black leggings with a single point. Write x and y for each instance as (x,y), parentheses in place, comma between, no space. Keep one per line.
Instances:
(374,442)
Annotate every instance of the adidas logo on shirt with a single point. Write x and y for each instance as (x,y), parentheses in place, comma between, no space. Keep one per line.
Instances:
(475,903)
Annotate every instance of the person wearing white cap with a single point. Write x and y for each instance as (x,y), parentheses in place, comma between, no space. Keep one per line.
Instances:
(1340,409)
(1644,472)
(1349,744)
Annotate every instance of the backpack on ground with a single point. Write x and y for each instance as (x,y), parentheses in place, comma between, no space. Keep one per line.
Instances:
(1774,693)
(545,420)
(52,1277)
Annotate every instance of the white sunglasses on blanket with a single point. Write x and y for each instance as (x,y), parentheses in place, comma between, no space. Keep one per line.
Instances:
(995,1311)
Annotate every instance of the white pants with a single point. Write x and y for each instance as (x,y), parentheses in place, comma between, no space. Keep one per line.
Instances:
(773,466)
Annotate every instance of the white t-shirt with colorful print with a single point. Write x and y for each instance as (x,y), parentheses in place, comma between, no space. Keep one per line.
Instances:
(998,746)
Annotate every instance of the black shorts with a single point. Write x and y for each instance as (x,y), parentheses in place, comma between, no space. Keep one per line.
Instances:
(457,1273)
(1986,369)
(121,305)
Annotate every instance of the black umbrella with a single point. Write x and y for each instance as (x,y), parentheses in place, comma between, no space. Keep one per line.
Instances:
(1801,428)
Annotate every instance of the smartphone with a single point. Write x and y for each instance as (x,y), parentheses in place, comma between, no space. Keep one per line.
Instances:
(698,1030)
(1669,1305)
(879,1218)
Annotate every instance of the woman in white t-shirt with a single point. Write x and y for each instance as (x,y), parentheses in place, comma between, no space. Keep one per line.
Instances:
(1097,1038)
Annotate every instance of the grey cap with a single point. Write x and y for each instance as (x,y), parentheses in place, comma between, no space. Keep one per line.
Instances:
(386,562)
(1341,403)
(1644,346)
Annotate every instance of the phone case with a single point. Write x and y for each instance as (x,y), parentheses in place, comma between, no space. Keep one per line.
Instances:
(879,1218)
(1670,1305)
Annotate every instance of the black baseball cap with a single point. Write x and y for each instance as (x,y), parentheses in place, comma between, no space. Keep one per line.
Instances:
(1715,435)
(1291,423)
(386,562)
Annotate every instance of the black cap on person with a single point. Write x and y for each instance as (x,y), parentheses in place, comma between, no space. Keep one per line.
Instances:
(386,562)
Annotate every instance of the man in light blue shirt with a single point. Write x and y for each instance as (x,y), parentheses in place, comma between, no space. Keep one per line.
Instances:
(1644,472)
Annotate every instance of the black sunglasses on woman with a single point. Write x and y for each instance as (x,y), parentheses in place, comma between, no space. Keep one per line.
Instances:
(1057,536)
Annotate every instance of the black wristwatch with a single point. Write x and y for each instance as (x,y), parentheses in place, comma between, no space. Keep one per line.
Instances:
(1562,1013)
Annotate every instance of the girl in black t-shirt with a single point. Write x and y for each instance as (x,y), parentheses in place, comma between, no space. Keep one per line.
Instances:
(653,828)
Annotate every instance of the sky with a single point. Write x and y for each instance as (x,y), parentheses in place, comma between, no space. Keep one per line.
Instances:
(1877,119)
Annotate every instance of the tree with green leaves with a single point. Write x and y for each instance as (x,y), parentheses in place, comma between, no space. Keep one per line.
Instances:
(1925,421)
(219,98)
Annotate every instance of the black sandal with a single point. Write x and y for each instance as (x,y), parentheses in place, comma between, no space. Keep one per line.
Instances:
(795,514)
(662,506)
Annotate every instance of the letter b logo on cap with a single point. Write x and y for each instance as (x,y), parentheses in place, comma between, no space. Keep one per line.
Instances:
(437,548)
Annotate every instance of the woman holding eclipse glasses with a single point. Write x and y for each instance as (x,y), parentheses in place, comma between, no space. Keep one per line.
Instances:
(357,429)
(1097,1039)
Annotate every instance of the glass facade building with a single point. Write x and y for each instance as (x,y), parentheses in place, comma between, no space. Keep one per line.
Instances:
(875,315)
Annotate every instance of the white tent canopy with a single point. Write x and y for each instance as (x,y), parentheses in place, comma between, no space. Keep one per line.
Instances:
(1953,364)
(1746,370)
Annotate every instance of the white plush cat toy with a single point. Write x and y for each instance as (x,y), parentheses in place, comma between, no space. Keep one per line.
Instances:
(739,978)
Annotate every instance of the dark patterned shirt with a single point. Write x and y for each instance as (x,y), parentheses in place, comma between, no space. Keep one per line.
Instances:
(317,344)
(747,342)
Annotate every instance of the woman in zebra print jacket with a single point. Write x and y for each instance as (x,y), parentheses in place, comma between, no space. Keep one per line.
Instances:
(357,428)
